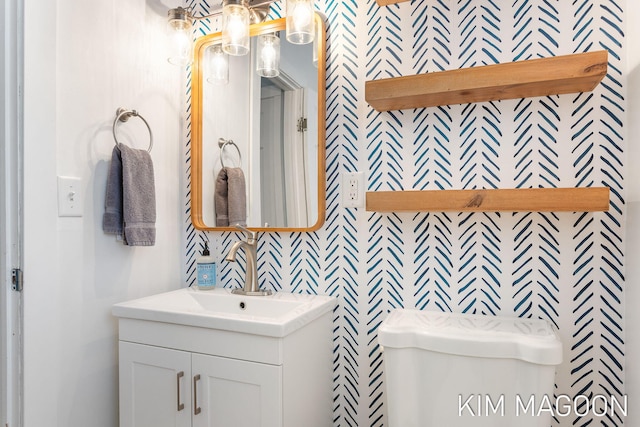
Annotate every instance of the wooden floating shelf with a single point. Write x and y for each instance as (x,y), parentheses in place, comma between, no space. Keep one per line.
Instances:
(579,72)
(388,2)
(584,199)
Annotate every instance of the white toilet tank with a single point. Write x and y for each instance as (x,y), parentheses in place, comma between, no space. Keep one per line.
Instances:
(458,370)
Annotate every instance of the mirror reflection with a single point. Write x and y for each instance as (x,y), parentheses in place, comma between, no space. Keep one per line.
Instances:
(259,118)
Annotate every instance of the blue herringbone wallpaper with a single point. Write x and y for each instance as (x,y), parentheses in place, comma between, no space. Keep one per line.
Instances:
(567,268)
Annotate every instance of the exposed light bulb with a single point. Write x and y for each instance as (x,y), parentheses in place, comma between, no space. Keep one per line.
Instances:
(268,56)
(301,15)
(235,29)
(300,21)
(180,46)
(179,35)
(218,66)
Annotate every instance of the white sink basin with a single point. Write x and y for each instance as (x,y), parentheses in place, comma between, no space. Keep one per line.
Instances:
(275,315)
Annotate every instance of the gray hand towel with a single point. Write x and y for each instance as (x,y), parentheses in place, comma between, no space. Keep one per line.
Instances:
(237,197)
(138,197)
(220,199)
(230,198)
(112,220)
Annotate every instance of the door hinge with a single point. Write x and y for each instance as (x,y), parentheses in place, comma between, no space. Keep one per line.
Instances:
(302,124)
(16,280)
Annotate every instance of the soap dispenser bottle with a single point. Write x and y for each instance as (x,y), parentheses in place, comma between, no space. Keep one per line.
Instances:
(206,270)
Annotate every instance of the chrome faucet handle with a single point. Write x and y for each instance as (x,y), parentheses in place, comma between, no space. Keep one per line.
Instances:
(251,235)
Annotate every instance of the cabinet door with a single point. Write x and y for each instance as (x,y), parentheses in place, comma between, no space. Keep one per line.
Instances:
(155,387)
(236,393)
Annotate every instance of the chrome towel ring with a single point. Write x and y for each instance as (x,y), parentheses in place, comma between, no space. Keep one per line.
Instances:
(122,115)
(222,143)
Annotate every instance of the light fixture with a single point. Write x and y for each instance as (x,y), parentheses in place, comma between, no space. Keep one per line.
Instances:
(235,27)
(237,15)
(179,33)
(300,22)
(268,56)
(218,65)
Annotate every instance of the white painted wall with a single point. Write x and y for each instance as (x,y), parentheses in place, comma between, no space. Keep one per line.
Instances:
(632,290)
(83,60)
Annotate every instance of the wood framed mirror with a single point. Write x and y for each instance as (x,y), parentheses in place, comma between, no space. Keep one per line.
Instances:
(277,126)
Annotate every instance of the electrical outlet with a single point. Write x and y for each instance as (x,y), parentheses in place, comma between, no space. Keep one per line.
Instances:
(353,193)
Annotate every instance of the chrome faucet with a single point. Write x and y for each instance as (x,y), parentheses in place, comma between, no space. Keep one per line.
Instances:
(250,247)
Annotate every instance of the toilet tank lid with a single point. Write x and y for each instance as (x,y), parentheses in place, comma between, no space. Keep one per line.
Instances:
(531,340)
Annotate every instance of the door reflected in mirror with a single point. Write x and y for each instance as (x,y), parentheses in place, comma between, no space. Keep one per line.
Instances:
(271,129)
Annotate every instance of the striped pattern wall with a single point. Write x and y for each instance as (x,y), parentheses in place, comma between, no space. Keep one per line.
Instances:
(563,267)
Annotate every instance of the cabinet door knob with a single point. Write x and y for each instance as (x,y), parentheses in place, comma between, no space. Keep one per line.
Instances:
(180,404)
(196,408)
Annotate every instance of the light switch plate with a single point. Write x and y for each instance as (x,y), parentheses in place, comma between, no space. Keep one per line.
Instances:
(70,197)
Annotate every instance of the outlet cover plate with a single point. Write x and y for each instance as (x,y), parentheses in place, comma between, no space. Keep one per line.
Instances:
(353,191)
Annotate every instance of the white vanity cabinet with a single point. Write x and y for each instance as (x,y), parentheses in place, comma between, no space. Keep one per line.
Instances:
(187,375)
(153,383)
(237,393)
(162,387)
